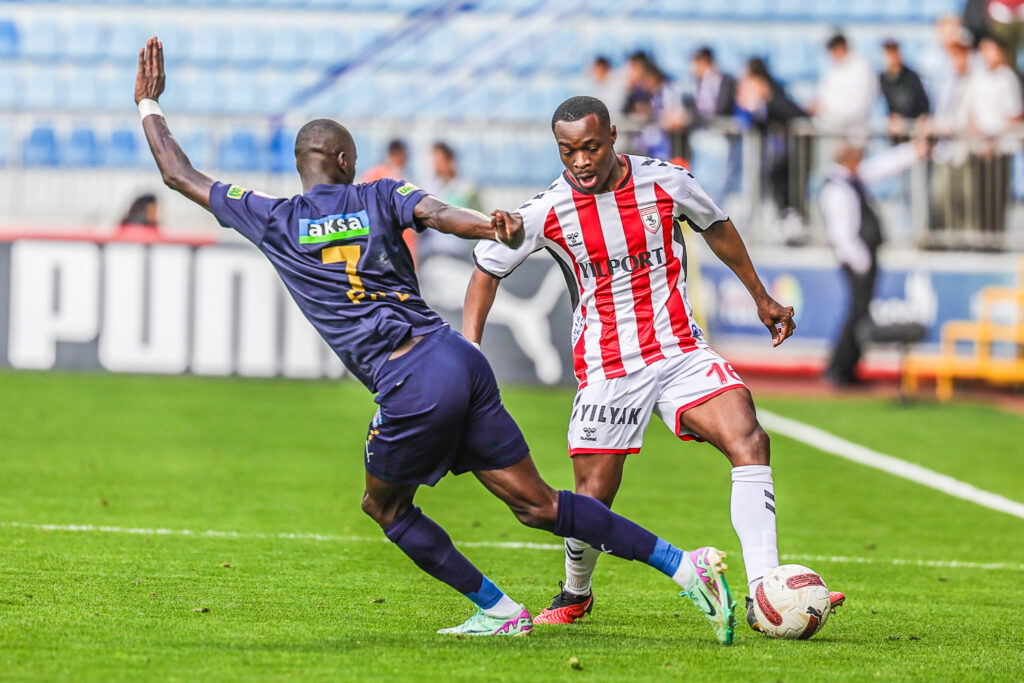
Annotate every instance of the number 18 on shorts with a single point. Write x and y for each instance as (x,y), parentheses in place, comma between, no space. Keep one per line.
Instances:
(611,415)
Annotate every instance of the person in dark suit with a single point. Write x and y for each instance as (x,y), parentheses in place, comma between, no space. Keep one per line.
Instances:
(714,92)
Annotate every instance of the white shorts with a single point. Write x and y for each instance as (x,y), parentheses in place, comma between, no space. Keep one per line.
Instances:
(610,416)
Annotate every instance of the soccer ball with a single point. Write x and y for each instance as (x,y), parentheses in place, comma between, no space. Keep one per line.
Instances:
(791,602)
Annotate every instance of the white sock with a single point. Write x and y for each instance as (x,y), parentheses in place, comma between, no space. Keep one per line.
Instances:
(506,607)
(685,575)
(753,517)
(580,560)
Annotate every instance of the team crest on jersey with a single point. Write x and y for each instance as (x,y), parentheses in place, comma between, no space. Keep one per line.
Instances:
(340,226)
(651,219)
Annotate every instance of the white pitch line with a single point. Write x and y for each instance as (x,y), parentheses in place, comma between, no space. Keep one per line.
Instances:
(507,545)
(830,443)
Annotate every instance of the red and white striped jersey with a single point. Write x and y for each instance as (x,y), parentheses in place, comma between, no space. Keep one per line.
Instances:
(626,254)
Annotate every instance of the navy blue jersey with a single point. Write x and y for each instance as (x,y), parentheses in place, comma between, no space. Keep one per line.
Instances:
(340,253)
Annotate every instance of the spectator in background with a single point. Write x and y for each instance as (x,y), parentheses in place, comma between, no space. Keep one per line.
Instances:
(855,234)
(995,105)
(447,186)
(142,221)
(846,90)
(608,84)
(763,102)
(905,97)
(714,92)
(1006,23)
(950,182)
(656,106)
(393,165)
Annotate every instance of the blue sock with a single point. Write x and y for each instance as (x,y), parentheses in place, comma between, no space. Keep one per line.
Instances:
(432,550)
(590,520)
(666,558)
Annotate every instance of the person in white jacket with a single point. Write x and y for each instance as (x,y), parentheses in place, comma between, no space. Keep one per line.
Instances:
(855,233)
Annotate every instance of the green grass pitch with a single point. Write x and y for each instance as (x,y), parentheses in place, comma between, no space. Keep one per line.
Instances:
(268,459)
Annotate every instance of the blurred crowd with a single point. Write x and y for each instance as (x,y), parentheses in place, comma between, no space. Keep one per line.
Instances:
(966,96)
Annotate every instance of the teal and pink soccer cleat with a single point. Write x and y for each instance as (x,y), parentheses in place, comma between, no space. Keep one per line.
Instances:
(710,591)
(481,624)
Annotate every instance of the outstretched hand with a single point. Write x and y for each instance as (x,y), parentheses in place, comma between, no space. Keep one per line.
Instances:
(777,318)
(508,228)
(149,81)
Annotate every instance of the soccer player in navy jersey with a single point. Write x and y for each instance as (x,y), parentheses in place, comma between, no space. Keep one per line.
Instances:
(338,249)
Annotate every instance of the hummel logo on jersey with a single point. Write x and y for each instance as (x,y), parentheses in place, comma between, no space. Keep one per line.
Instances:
(341,226)
(588,434)
(588,412)
(573,239)
(628,263)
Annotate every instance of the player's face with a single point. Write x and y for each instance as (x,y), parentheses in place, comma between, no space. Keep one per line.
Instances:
(587,150)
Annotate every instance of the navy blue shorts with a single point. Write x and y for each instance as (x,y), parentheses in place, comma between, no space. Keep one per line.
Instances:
(440,411)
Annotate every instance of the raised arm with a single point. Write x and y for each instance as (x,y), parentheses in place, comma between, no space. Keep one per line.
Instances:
(469,224)
(728,246)
(177,171)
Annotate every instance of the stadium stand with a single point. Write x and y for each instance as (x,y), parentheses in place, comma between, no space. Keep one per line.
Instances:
(79,57)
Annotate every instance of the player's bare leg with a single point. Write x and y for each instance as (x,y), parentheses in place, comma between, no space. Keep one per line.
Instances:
(598,475)
(700,572)
(728,421)
(427,544)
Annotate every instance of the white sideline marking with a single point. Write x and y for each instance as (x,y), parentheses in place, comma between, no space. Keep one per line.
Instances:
(830,443)
(508,545)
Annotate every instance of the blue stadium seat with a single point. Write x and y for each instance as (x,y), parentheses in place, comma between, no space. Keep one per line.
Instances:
(10,88)
(87,41)
(84,90)
(247,45)
(240,152)
(197,146)
(209,44)
(123,149)
(8,39)
(42,40)
(126,38)
(43,89)
(40,148)
(289,47)
(282,151)
(81,150)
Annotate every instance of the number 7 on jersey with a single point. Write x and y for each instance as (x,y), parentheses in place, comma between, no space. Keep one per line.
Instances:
(349,255)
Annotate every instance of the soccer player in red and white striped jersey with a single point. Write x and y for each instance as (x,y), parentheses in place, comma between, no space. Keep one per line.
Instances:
(612,222)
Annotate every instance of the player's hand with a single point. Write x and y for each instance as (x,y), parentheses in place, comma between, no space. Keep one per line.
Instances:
(149,81)
(777,318)
(508,228)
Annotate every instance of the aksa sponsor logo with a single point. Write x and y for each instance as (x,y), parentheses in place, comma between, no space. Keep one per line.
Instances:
(645,259)
(591,412)
(340,226)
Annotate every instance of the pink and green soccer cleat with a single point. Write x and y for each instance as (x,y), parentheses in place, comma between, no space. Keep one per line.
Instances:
(481,624)
(710,591)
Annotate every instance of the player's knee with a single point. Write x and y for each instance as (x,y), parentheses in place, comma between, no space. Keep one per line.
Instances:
(540,512)
(753,448)
(383,512)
